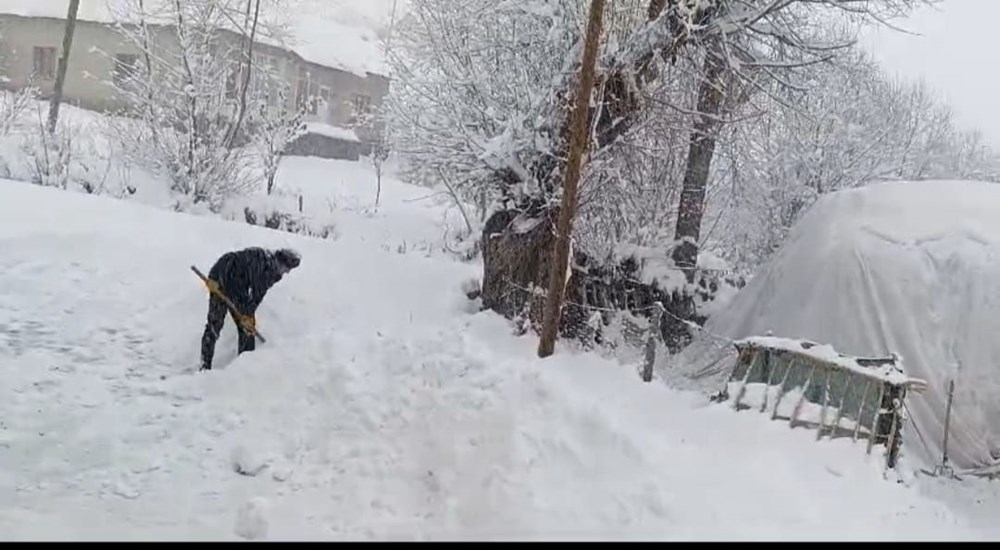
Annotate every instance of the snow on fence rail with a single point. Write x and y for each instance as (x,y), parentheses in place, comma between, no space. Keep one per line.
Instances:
(838,395)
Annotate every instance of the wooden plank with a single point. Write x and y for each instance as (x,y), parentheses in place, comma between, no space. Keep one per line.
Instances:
(890,446)
(826,403)
(743,386)
(781,389)
(769,361)
(861,408)
(840,408)
(912,384)
(878,413)
(802,399)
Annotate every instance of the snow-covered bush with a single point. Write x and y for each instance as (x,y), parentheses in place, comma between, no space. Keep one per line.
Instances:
(465,73)
(13,105)
(50,155)
(76,156)
(195,95)
(273,218)
(272,131)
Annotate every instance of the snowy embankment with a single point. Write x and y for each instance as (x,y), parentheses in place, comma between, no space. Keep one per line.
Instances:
(382,407)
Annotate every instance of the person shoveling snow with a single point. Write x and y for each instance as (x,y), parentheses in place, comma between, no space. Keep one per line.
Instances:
(241,278)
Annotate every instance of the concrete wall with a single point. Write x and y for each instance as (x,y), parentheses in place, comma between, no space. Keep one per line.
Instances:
(315,145)
(91,63)
(345,88)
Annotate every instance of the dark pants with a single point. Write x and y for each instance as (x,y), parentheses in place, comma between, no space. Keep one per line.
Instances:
(216,318)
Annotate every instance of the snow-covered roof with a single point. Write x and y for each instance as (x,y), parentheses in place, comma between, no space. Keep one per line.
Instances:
(339,45)
(334,132)
(331,33)
(911,268)
(90,10)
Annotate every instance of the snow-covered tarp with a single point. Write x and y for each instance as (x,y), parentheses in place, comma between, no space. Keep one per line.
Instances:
(911,268)
(334,42)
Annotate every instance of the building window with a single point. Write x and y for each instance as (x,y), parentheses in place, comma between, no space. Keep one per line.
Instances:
(326,97)
(126,65)
(45,62)
(312,98)
(302,90)
(309,93)
(361,105)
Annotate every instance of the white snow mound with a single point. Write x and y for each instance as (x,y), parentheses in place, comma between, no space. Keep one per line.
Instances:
(387,410)
(905,267)
(251,519)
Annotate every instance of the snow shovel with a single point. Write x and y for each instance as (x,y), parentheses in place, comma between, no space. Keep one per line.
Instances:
(213,287)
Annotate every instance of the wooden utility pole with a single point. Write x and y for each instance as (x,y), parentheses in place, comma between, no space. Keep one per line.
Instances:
(57,92)
(578,141)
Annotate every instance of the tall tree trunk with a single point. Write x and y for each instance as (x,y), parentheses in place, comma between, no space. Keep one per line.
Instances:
(57,93)
(691,209)
(579,138)
(517,257)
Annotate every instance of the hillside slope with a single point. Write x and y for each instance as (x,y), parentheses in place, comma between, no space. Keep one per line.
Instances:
(383,407)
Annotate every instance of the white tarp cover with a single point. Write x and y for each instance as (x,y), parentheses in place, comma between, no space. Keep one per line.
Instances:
(905,267)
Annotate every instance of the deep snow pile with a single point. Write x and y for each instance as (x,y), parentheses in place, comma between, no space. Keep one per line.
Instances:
(383,407)
(909,267)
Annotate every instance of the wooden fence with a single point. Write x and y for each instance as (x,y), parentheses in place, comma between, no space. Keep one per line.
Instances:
(837,395)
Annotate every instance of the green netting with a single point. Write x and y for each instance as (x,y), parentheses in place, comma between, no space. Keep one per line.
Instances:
(851,397)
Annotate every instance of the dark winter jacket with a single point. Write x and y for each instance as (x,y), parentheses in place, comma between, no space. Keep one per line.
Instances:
(245,276)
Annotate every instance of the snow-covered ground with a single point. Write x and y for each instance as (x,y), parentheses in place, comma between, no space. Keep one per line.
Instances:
(408,218)
(384,405)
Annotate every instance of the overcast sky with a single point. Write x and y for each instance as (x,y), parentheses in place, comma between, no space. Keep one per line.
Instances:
(956,53)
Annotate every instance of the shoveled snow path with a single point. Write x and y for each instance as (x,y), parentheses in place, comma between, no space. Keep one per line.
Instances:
(381,408)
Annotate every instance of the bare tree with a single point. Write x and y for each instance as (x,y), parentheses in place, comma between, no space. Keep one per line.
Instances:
(187,125)
(690,209)
(13,104)
(380,153)
(275,129)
